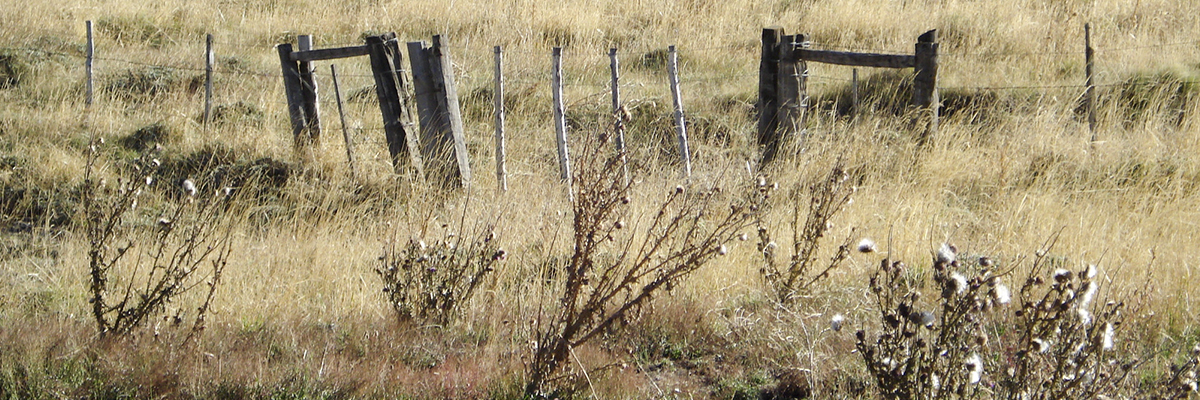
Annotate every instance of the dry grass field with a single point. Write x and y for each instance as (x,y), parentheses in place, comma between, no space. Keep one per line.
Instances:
(299,311)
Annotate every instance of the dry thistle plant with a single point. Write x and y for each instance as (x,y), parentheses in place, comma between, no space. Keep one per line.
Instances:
(615,270)
(967,341)
(1180,381)
(432,282)
(136,271)
(827,197)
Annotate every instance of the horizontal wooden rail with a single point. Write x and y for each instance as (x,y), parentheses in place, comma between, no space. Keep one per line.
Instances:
(856,59)
(329,54)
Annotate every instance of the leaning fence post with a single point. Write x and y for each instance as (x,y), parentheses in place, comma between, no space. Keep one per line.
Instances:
(91,54)
(209,58)
(620,115)
(768,101)
(925,93)
(337,93)
(389,100)
(498,103)
(560,122)
(308,89)
(1090,94)
(680,127)
(455,137)
(291,87)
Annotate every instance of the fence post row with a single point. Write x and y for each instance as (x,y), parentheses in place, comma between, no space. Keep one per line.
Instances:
(442,131)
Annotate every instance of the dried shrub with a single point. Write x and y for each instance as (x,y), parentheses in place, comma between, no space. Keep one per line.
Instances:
(827,196)
(432,282)
(615,270)
(1055,338)
(137,270)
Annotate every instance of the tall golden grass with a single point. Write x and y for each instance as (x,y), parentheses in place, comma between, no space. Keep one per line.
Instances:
(301,282)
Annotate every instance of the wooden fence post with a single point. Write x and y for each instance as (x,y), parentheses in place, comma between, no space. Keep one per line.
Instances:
(680,127)
(209,59)
(91,55)
(337,93)
(443,143)
(291,87)
(792,89)
(389,100)
(498,104)
(620,115)
(455,137)
(560,122)
(768,102)
(925,93)
(308,88)
(1090,94)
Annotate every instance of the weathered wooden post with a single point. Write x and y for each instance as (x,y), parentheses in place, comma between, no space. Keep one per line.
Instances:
(91,55)
(308,88)
(620,114)
(337,93)
(792,87)
(209,59)
(925,93)
(560,122)
(389,100)
(768,101)
(685,155)
(291,87)
(498,104)
(1090,93)
(443,142)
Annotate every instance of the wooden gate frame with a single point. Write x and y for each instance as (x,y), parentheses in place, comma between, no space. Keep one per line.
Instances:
(783,82)
(437,103)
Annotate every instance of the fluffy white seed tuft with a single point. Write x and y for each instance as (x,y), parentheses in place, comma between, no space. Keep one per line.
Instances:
(866,246)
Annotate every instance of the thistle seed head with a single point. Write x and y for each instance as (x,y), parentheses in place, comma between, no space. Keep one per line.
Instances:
(1107,340)
(1001,294)
(866,246)
(1062,275)
(836,322)
(189,187)
(1090,272)
(946,254)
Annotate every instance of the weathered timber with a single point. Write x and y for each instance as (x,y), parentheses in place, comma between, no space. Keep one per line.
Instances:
(329,54)
(925,94)
(291,88)
(685,154)
(857,59)
(498,106)
(768,100)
